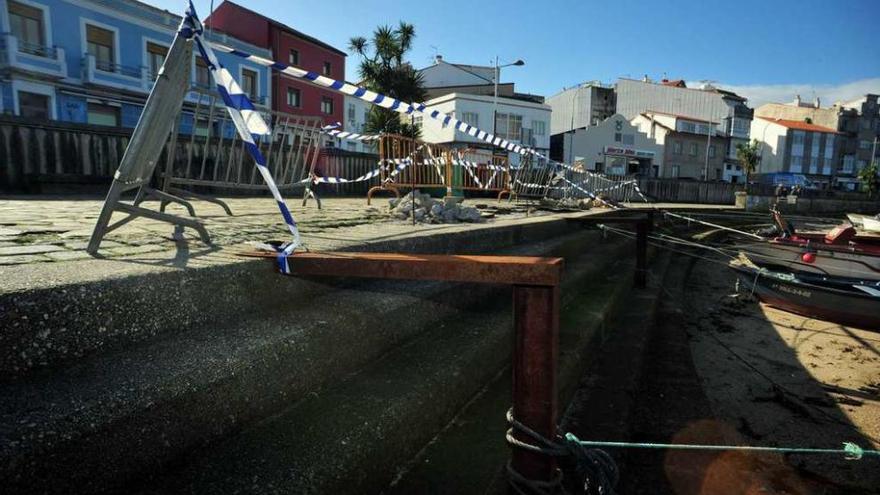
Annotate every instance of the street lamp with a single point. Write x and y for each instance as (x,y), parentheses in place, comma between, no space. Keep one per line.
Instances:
(498,68)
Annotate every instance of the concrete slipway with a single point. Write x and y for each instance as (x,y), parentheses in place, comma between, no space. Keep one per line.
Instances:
(134,374)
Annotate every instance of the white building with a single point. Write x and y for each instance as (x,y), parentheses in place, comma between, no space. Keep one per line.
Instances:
(521,121)
(614,146)
(356,111)
(446,75)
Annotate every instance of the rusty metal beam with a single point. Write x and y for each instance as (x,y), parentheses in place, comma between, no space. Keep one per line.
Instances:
(506,270)
(535,354)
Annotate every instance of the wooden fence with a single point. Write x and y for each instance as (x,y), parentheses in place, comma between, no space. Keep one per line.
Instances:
(35,151)
(69,157)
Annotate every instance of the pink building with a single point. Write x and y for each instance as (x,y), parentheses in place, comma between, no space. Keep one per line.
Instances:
(292,47)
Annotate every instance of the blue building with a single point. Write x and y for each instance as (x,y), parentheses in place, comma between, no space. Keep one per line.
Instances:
(94,61)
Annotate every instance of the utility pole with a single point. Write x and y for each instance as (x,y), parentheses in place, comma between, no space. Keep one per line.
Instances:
(708,145)
(498,68)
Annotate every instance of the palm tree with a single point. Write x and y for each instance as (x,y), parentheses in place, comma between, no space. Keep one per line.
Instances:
(383,70)
(749,155)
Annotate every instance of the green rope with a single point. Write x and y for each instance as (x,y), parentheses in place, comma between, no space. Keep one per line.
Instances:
(850,451)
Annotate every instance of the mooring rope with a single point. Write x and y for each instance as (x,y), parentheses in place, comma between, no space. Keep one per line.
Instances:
(595,471)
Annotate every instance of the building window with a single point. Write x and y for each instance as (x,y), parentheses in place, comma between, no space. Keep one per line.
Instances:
(327,69)
(848,164)
(865,144)
(829,145)
(693,149)
(797,164)
(326,105)
(687,127)
(293,98)
(712,151)
(417,121)
(293,58)
(539,128)
(155,57)
(798,137)
(203,75)
(508,126)
(471,118)
(101,46)
(249,83)
(33,105)
(351,112)
(814,165)
(103,115)
(826,166)
(676,148)
(618,137)
(676,170)
(862,164)
(628,139)
(26,24)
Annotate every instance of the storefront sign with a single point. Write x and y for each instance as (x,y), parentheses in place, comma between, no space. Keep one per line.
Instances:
(611,150)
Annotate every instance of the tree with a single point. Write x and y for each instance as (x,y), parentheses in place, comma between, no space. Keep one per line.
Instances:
(749,155)
(870,178)
(383,70)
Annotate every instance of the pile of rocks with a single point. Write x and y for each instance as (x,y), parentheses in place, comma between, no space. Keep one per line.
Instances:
(430,210)
(567,203)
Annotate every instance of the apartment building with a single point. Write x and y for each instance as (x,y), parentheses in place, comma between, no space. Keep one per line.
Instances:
(94,61)
(692,148)
(520,121)
(707,103)
(467,93)
(292,47)
(856,122)
(797,147)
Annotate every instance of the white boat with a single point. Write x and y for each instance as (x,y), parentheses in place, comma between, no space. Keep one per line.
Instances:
(866,223)
(871,224)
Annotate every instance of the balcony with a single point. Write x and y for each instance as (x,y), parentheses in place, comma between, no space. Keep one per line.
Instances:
(104,73)
(31,57)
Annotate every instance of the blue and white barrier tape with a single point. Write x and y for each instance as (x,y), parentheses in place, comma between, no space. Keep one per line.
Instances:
(247,120)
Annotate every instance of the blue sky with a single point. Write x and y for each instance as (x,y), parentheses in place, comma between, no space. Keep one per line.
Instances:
(767,50)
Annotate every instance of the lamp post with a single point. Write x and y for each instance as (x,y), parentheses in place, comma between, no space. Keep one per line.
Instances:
(498,68)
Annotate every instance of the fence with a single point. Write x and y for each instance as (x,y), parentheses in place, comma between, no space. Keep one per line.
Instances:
(212,154)
(33,151)
(685,191)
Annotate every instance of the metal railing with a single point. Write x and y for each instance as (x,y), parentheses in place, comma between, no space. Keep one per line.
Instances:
(204,150)
(37,49)
(114,68)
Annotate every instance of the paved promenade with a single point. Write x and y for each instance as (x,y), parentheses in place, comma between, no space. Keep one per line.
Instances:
(42,230)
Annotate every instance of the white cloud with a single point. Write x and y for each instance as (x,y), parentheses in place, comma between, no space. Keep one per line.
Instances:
(759,94)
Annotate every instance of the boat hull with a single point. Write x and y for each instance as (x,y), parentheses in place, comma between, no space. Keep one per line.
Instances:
(848,307)
(834,262)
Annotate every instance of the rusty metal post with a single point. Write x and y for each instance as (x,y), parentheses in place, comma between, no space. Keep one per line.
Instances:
(535,352)
(641,275)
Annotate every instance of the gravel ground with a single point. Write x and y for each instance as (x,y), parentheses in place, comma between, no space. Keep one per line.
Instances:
(723,369)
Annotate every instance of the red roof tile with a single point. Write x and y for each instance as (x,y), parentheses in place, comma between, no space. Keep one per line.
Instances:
(800,125)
